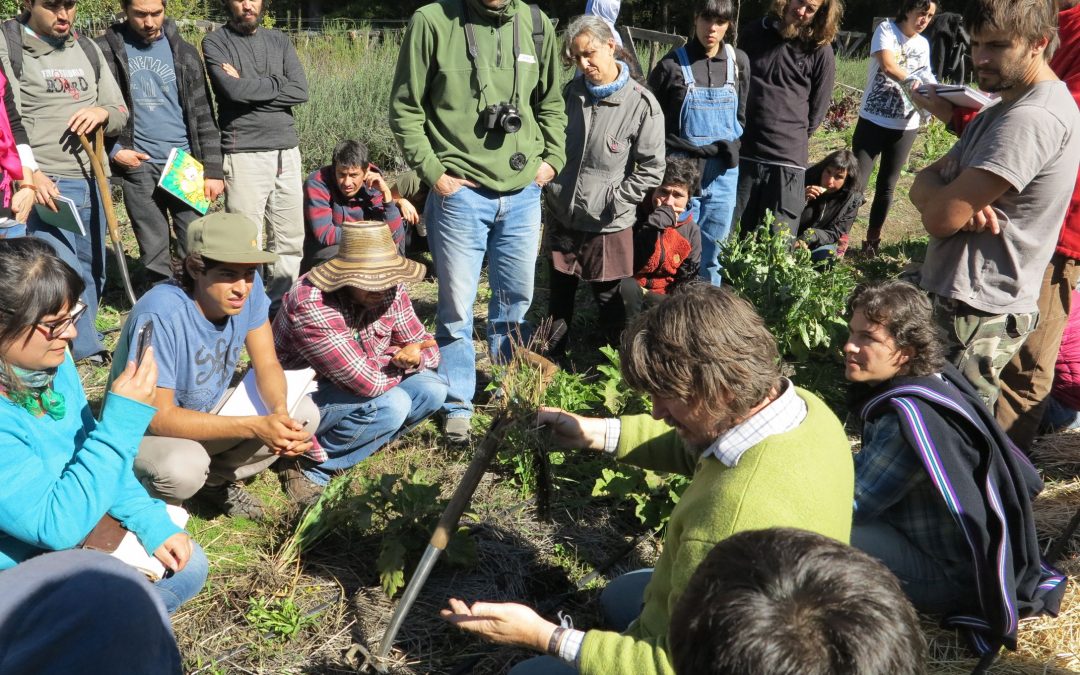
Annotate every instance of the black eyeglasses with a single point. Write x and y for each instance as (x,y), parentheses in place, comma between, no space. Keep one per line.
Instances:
(56,5)
(55,328)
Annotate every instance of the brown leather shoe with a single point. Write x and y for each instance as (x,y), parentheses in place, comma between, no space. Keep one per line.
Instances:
(298,487)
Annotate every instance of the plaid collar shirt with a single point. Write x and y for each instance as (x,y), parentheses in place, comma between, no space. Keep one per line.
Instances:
(347,345)
(782,415)
(891,485)
(325,208)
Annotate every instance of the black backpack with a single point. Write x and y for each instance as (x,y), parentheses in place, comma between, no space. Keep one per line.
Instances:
(13,35)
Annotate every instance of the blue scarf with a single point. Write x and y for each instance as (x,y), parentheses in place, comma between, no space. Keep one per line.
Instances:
(34,392)
(602,91)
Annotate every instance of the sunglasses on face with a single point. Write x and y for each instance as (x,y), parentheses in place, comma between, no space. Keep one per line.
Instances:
(57,5)
(55,328)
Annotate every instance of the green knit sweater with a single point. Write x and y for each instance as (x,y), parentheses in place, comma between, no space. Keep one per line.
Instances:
(438,93)
(803,478)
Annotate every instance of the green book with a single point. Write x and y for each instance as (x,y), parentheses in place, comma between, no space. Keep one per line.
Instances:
(182,177)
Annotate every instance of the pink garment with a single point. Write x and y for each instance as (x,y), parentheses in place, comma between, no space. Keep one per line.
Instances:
(9,155)
(1066,64)
(1067,369)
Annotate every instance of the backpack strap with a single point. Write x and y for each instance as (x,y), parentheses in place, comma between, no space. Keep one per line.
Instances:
(13,35)
(537,30)
(87,45)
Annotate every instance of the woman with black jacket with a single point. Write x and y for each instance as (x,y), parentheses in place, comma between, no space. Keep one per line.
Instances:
(832,202)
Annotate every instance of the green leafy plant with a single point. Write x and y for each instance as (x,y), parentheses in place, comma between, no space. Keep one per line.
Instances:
(571,392)
(652,495)
(618,398)
(404,509)
(802,304)
(937,140)
(278,618)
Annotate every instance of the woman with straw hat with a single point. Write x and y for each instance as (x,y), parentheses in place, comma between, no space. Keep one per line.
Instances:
(351,320)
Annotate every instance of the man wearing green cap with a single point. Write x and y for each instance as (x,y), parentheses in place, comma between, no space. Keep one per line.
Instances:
(214,306)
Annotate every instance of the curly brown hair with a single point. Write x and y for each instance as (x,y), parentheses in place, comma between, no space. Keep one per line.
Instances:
(823,27)
(704,346)
(906,313)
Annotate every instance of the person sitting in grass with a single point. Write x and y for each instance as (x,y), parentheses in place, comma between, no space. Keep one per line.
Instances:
(349,189)
(667,241)
(67,472)
(783,601)
(351,320)
(942,497)
(832,202)
(215,307)
(760,452)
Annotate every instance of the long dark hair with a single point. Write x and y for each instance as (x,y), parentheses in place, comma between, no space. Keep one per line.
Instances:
(34,283)
(837,159)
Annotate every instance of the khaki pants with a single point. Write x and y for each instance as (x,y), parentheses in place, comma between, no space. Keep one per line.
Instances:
(267,187)
(1028,377)
(980,344)
(174,469)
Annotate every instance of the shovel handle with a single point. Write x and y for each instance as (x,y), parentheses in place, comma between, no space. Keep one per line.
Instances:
(96,152)
(485,452)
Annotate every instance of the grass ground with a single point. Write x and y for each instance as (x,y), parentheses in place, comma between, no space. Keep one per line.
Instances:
(323,613)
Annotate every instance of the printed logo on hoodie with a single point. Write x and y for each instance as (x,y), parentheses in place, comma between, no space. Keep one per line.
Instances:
(70,81)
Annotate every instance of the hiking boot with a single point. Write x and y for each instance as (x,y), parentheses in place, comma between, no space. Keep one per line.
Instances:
(457,430)
(300,489)
(231,499)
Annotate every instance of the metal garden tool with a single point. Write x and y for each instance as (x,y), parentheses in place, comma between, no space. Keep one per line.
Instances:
(485,452)
(96,153)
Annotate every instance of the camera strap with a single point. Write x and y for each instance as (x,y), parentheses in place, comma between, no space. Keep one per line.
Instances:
(474,51)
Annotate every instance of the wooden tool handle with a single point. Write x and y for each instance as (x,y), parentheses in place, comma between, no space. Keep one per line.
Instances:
(485,452)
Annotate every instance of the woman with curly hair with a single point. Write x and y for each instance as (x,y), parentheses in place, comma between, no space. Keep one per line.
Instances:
(941,495)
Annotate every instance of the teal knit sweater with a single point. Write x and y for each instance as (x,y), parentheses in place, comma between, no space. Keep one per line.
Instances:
(61,476)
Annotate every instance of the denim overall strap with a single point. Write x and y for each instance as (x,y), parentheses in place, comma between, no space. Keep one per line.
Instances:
(708,114)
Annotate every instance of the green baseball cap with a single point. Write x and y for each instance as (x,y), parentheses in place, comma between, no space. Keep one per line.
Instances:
(227,238)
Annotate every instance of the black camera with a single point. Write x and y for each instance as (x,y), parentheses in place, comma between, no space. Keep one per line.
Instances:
(502,116)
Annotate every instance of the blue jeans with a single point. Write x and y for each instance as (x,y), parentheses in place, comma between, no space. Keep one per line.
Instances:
(713,213)
(185,584)
(80,611)
(1059,417)
(11,230)
(620,603)
(461,229)
(931,587)
(353,427)
(85,255)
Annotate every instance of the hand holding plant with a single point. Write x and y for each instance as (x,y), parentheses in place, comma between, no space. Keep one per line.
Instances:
(573,431)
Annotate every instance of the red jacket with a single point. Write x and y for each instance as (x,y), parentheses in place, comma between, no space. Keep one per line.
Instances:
(1066,64)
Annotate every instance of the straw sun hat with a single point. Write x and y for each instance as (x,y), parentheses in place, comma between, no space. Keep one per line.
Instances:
(367,259)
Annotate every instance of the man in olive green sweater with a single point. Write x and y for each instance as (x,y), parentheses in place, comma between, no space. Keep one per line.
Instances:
(477,108)
(761,453)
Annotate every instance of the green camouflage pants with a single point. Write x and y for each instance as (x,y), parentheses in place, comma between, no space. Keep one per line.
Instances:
(980,344)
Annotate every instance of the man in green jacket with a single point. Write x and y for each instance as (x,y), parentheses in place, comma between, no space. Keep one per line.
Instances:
(761,453)
(477,108)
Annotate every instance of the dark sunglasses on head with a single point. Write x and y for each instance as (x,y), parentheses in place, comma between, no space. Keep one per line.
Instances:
(54,5)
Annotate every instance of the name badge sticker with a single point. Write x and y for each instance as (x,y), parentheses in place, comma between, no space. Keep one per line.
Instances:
(526,58)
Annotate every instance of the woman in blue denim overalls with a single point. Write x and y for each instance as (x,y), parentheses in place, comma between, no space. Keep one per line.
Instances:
(702,88)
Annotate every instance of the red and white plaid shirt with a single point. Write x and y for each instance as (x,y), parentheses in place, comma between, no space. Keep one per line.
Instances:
(347,344)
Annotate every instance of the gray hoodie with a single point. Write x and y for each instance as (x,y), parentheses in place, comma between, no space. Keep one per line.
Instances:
(55,82)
